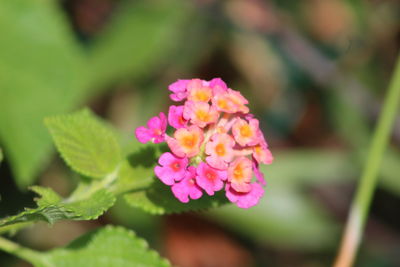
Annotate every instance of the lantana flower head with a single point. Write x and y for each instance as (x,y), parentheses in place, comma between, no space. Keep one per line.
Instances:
(216,143)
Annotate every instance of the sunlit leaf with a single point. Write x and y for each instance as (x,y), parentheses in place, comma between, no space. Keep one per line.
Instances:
(86,145)
(52,208)
(47,196)
(106,247)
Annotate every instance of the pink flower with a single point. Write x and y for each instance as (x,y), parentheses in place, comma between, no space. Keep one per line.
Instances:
(262,154)
(187,187)
(259,175)
(172,168)
(210,179)
(200,113)
(222,102)
(179,90)
(246,134)
(245,200)
(186,141)
(155,131)
(216,142)
(198,91)
(239,100)
(229,101)
(220,150)
(240,173)
(175,117)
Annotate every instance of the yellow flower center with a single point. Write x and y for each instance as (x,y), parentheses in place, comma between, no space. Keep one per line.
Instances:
(202,115)
(201,95)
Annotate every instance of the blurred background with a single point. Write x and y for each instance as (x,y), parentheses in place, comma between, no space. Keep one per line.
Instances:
(314,71)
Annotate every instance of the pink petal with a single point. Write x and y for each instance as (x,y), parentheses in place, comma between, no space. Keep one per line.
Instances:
(210,179)
(159,122)
(143,134)
(218,82)
(164,175)
(174,146)
(175,117)
(178,86)
(154,123)
(168,172)
(163,121)
(179,89)
(242,187)
(259,175)
(217,163)
(166,159)
(252,198)
(179,191)
(187,187)
(245,200)
(195,193)
(178,96)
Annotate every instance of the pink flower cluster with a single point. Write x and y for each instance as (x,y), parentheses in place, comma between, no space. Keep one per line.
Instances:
(216,143)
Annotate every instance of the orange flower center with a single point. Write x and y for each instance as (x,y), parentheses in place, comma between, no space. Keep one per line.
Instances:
(238,172)
(188,141)
(246,131)
(220,149)
(222,103)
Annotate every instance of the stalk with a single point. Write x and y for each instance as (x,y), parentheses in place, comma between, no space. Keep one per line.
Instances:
(21,252)
(361,202)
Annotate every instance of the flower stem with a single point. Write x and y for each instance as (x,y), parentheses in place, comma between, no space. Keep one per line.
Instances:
(22,252)
(365,189)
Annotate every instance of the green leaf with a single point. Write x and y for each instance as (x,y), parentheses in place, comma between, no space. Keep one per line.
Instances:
(47,196)
(87,145)
(109,246)
(137,39)
(1,155)
(49,214)
(137,171)
(91,207)
(42,72)
(52,208)
(132,178)
(158,199)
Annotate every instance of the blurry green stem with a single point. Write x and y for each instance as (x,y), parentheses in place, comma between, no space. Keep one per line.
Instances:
(362,200)
(22,252)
